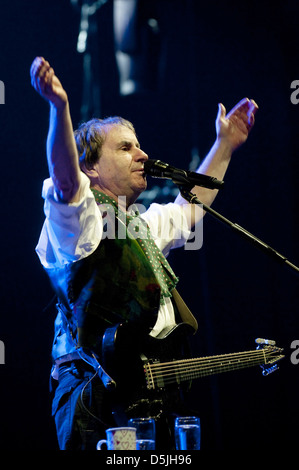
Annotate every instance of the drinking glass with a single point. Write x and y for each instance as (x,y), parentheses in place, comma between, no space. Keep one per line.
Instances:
(187,433)
(145,433)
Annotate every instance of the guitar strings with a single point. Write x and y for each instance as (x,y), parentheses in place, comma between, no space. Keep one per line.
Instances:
(207,359)
(175,375)
(188,368)
(210,359)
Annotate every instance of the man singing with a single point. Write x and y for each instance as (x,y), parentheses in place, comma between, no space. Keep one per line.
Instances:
(96,175)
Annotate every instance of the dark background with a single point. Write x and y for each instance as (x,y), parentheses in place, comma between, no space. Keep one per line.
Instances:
(205,53)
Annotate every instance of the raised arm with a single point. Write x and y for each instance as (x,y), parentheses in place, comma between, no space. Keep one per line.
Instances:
(61,147)
(232,131)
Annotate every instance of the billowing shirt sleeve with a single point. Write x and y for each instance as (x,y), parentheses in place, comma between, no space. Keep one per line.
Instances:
(73,231)
(70,231)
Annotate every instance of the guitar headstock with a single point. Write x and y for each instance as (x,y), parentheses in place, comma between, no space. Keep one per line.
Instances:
(272,354)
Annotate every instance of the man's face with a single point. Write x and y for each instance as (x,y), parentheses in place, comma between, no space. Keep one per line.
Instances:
(119,171)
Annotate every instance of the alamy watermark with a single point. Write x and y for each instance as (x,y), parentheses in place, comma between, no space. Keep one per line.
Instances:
(295,94)
(164,228)
(295,354)
(2,353)
(2,92)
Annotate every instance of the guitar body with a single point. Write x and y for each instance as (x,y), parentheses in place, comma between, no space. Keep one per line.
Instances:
(127,350)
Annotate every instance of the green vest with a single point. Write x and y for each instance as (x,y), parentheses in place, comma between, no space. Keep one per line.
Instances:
(123,280)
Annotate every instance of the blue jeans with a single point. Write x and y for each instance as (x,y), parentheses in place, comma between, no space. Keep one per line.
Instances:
(81,408)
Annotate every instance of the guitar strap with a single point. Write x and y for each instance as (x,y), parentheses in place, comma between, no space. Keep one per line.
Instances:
(184,311)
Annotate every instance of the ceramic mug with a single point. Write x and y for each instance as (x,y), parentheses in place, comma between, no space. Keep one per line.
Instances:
(119,439)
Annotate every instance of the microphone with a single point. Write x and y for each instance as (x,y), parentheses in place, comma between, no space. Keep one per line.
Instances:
(159,169)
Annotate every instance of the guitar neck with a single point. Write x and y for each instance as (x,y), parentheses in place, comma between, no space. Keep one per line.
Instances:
(161,374)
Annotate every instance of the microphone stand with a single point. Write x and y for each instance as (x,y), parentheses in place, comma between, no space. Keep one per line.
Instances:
(186,193)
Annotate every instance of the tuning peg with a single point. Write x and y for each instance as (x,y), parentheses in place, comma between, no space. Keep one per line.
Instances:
(269,370)
(262,341)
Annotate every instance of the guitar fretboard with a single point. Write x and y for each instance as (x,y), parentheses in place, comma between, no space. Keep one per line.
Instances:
(161,374)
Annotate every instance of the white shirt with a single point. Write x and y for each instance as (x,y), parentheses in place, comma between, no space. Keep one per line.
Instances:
(73,231)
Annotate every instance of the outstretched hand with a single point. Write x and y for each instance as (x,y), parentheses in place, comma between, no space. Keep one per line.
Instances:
(46,83)
(236,125)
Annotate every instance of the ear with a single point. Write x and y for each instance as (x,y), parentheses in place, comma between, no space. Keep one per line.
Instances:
(90,172)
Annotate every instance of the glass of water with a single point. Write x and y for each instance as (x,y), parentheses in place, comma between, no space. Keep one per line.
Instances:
(145,433)
(187,433)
